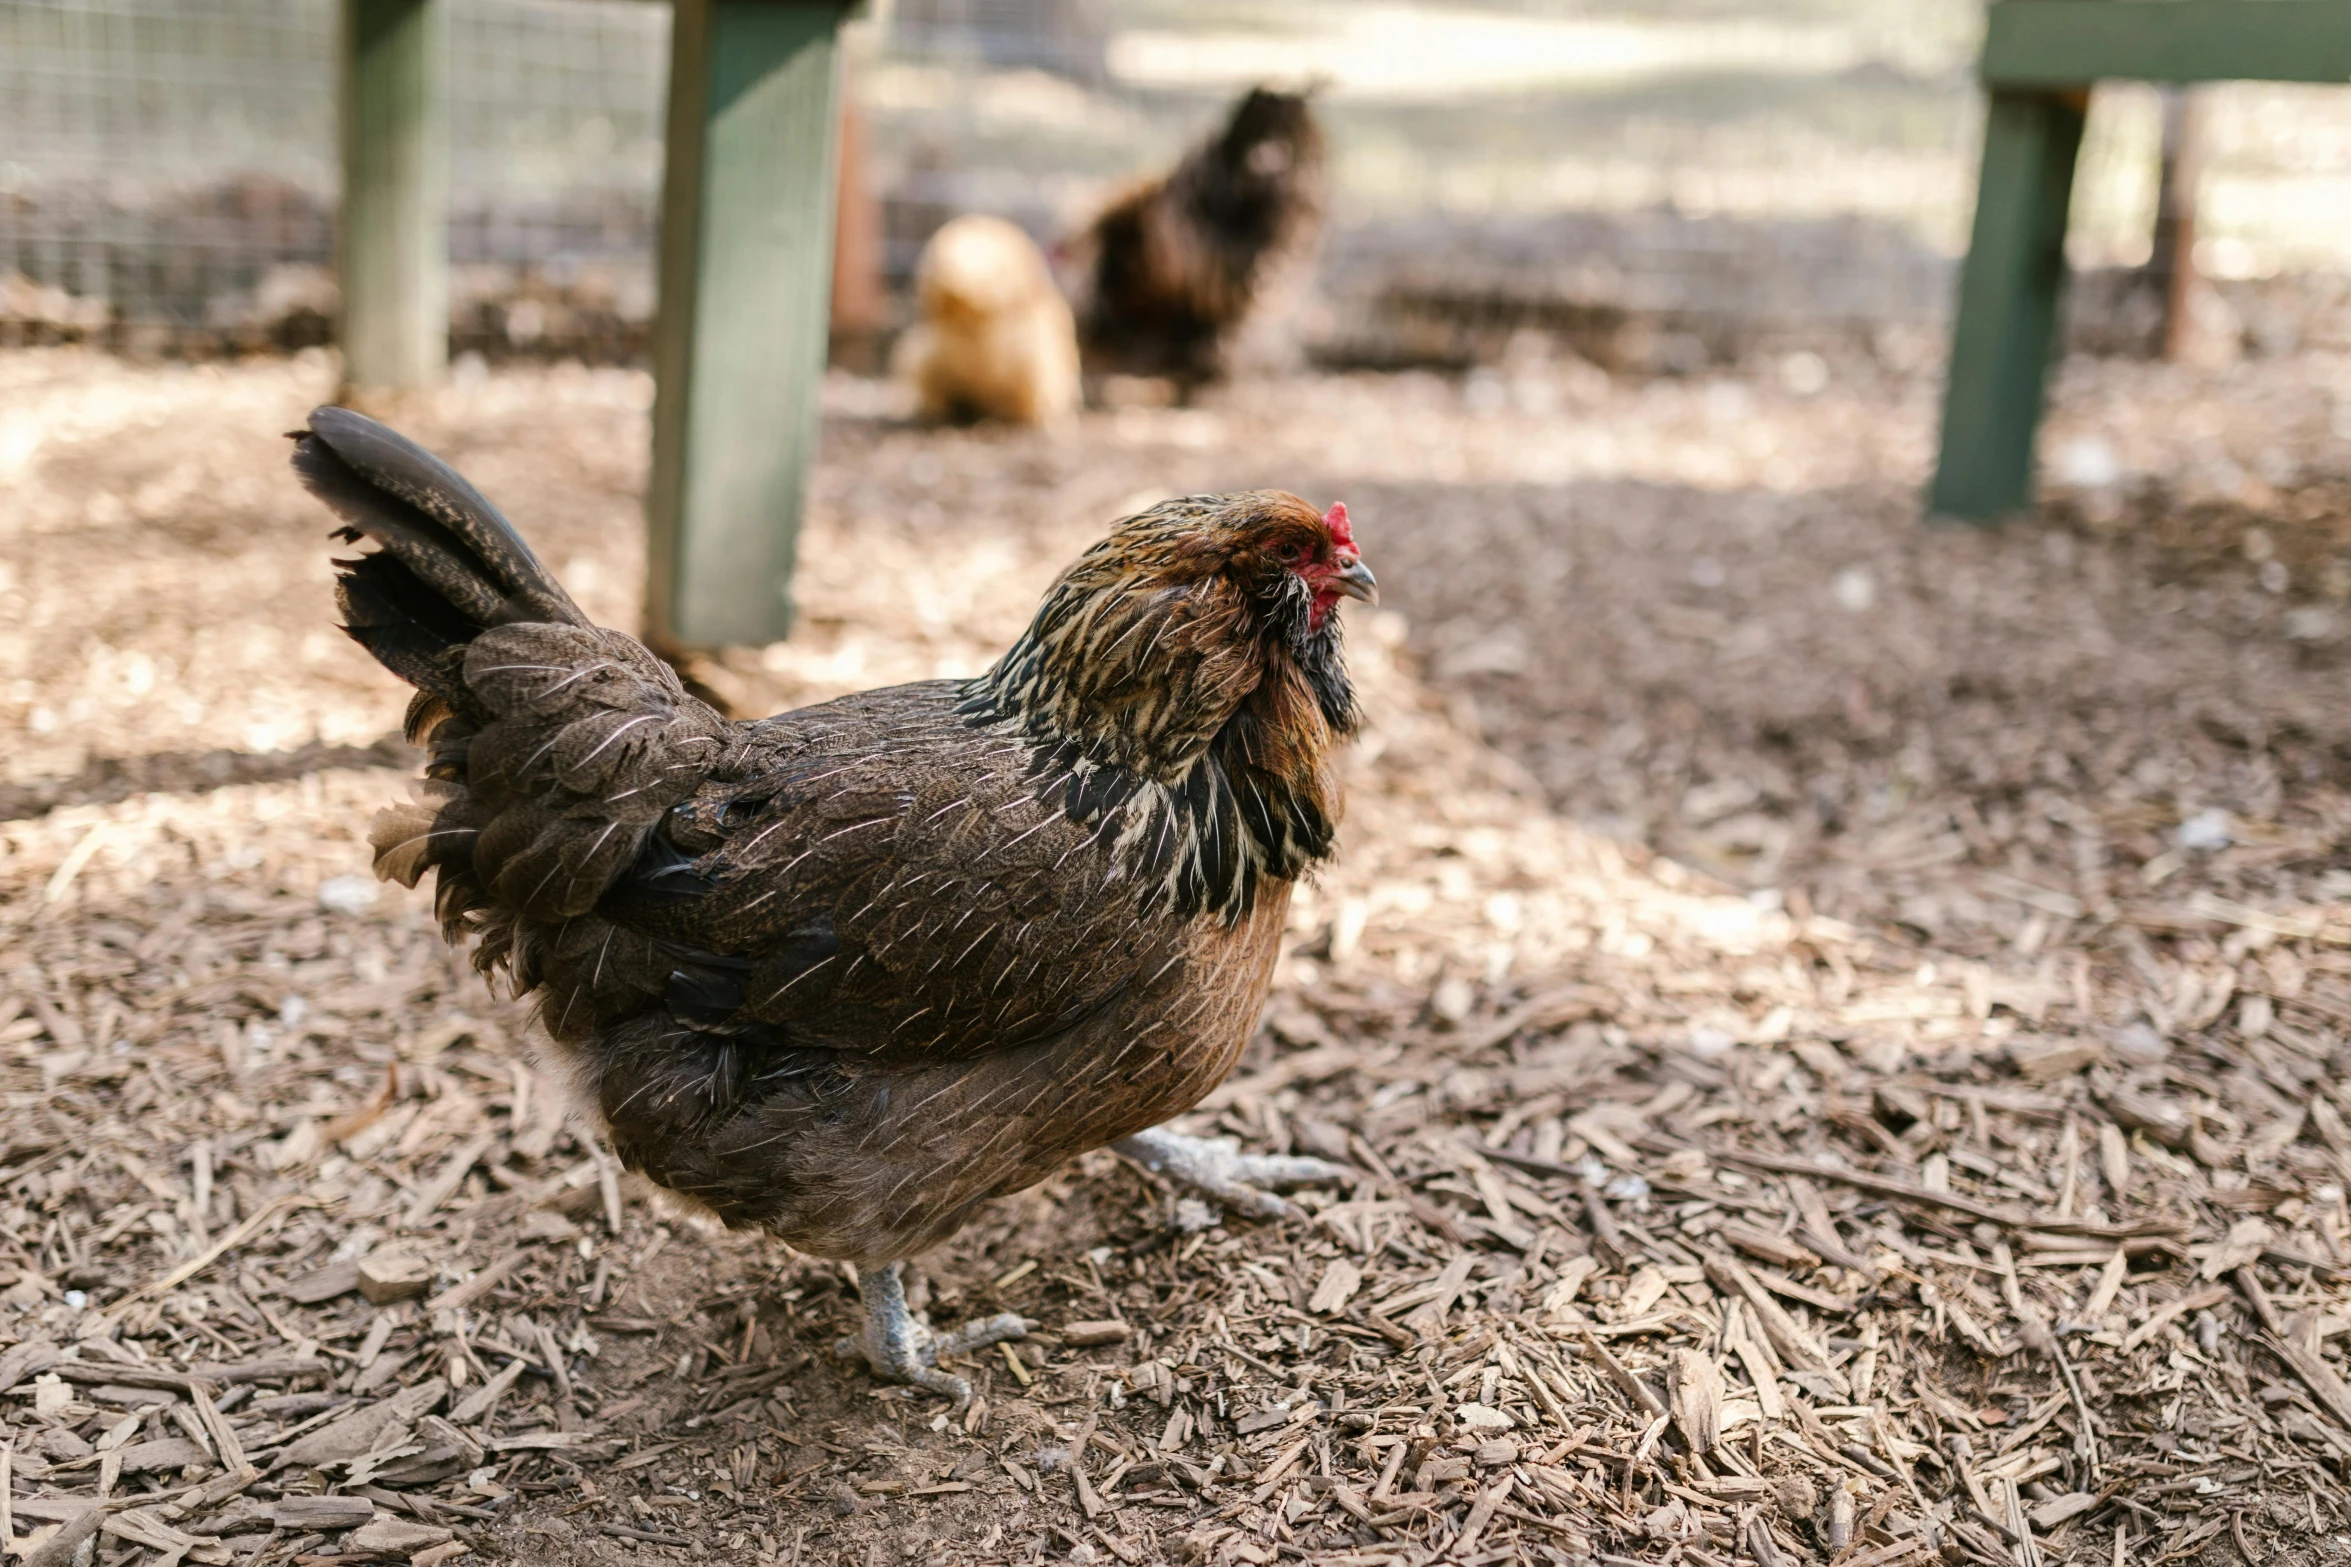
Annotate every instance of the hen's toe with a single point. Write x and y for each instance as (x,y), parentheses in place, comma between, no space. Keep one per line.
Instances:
(900,1347)
(980,1332)
(1288,1170)
(1216,1167)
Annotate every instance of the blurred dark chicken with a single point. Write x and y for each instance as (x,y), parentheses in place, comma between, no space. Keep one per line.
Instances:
(845,973)
(1174,265)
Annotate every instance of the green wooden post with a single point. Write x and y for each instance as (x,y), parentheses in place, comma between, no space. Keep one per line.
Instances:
(739,341)
(394,239)
(2009,292)
(2039,57)
(2057,44)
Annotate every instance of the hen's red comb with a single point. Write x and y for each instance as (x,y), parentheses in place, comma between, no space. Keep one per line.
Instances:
(1336,520)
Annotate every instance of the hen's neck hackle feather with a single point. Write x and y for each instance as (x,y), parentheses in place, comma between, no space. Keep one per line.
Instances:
(1186,699)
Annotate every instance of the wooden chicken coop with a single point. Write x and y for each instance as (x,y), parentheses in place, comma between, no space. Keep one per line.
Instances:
(744,260)
(2040,59)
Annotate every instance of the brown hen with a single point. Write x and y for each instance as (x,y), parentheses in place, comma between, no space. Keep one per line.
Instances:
(845,973)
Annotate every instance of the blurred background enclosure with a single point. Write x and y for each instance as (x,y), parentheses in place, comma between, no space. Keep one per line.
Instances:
(1661,183)
(168,170)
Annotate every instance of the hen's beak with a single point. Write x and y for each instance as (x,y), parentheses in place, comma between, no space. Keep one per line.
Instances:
(1354,579)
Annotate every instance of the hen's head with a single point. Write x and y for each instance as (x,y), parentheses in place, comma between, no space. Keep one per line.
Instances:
(1207,616)
(1271,147)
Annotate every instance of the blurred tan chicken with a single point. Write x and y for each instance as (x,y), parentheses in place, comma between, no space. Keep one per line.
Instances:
(996,339)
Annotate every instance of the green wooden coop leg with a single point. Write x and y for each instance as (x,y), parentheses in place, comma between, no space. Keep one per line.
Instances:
(739,343)
(394,239)
(2009,293)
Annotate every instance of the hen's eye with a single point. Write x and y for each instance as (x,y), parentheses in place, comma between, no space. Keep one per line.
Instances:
(1288,554)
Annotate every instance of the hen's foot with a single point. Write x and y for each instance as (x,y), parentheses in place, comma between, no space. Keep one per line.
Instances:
(901,1347)
(1216,1168)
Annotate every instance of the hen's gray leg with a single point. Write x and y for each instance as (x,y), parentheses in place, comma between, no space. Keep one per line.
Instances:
(1215,1167)
(902,1347)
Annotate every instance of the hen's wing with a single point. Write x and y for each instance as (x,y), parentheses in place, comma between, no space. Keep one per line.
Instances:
(871,876)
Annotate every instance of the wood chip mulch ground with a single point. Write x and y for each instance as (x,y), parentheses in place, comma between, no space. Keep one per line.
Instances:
(1957,1185)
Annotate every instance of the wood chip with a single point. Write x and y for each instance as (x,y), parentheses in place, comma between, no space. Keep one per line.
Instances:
(2164,1316)
(1769,1246)
(393,1273)
(164,1453)
(395,1536)
(2300,1347)
(457,1297)
(323,1284)
(322,1513)
(2062,1509)
(1340,1280)
(1087,1334)
(444,1182)
(482,1399)
(1695,1393)
(1791,1342)
(1442,1293)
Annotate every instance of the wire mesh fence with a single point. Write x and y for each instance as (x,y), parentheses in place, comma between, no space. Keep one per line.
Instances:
(157,160)
(168,175)
(555,133)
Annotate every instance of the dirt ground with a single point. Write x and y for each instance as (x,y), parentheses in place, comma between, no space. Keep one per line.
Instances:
(1840,1023)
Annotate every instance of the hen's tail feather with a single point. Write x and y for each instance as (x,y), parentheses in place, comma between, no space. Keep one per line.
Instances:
(553,747)
(408,628)
(425,513)
(435,826)
(450,566)
(427,715)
